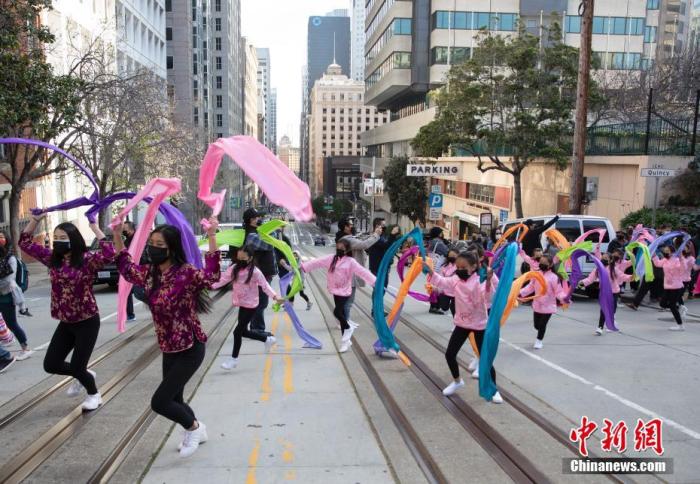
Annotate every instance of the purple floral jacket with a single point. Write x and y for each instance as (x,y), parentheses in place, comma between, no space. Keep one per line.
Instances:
(173,303)
(72,298)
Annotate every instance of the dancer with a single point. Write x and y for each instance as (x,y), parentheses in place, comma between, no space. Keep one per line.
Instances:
(342,268)
(446,299)
(674,272)
(246,279)
(11,296)
(72,271)
(470,315)
(176,293)
(301,293)
(688,261)
(616,274)
(545,306)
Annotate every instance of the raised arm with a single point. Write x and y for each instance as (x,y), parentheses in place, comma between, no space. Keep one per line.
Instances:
(548,224)
(133,273)
(319,263)
(592,277)
(529,260)
(264,285)
(363,273)
(97,260)
(211,273)
(39,252)
(363,244)
(226,277)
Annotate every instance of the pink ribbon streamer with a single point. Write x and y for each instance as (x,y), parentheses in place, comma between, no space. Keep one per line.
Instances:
(275,179)
(601,235)
(158,189)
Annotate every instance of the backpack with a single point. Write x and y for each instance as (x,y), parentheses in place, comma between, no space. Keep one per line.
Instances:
(22,275)
(5,269)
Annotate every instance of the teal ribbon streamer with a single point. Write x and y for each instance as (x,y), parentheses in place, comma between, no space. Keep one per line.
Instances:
(487,387)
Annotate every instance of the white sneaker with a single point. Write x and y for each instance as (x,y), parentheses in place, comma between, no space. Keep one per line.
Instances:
(24,354)
(76,387)
(538,344)
(192,439)
(344,346)
(391,354)
(475,374)
(353,324)
(473,364)
(308,305)
(229,363)
(271,340)
(91,402)
(347,335)
(684,310)
(677,327)
(453,387)
(599,331)
(497,398)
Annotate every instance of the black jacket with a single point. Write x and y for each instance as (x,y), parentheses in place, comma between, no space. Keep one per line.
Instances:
(377,251)
(280,256)
(264,253)
(531,241)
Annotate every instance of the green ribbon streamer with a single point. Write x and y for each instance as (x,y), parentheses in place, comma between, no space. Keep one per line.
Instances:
(646,257)
(565,254)
(264,232)
(232,237)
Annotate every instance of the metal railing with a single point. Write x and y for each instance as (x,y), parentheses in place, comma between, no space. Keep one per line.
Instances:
(665,137)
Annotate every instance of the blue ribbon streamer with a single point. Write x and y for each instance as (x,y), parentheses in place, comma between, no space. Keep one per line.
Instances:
(310,341)
(489,347)
(384,332)
(653,247)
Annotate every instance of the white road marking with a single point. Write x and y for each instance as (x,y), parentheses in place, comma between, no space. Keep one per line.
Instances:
(35,299)
(614,396)
(41,347)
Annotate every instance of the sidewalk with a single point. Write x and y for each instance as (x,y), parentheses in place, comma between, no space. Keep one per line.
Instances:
(38,274)
(291,415)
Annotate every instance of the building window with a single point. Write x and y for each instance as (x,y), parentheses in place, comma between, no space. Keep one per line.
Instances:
(573,24)
(168,5)
(217,5)
(195,116)
(217,24)
(482,193)
(218,63)
(459,55)
(219,101)
(219,82)
(219,120)
(169,62)
(168,33)
(217,43)
(652,4)
(443,19)
(619,60)
(649,34)
(450,187)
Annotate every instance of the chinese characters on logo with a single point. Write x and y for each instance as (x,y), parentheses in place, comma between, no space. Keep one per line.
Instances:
(646,435)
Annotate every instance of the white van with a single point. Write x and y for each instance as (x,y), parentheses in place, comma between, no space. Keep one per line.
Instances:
(571,227)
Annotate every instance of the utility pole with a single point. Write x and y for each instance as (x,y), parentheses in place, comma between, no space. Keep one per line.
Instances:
(584,67)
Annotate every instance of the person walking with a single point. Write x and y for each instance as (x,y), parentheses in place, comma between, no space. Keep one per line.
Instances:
(11,297)
(342,268)
(617,277)
(176,294)
(378,249)
(245,279)
(674,273)
(437,250)
(72,271)
(264,260)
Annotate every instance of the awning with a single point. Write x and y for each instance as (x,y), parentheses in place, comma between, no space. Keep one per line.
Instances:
(472,219)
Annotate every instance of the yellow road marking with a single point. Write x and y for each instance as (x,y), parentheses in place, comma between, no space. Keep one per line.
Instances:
(252,463)
(288,373)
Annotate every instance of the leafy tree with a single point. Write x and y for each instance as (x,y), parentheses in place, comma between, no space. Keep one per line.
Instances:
(407,194)
(644,216)
(341,208)
(318,204)
(34,102)
(510,104)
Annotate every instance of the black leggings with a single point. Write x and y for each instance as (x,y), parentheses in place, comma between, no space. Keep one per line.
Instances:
(80,338)
(601,318)
(339,311)
(457,340)
(673,298)
(178,368)
(540,320)
(241,331)
(301,293)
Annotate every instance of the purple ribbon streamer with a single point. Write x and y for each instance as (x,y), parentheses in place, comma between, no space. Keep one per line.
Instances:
(432,297)
(78,202)
(653,247)
(172,216)
(605,295)
(310,341)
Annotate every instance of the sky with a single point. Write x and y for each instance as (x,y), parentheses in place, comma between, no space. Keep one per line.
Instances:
(281,25)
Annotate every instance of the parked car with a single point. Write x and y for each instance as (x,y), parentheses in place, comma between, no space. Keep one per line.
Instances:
(571,227)
(319,240)
(109,273)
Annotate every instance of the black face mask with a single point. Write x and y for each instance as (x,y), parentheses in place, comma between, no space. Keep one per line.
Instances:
(667,255)
(451,260)
(463,274)
(340,253)
(544,267)
(605,262)
(243,263)
(157,255)
(61,247)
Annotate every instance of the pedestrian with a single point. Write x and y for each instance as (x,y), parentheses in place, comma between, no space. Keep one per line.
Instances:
(246,279)
(11,296)
(264,260)
(437,250)
(128,233)
(615,273)
(674,272)
(342,268)
(358,246)
(176,294)
(301,292)
(446,299)
(619,242)
(72,271)
(543,307)
(532,240)
(377,251)
(471,314)
(495,235)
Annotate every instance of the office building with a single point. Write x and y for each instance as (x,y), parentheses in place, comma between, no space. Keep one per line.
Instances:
(288,154)
(250,91)
(273,120)
(337,117)
(357,48)
(265,93)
